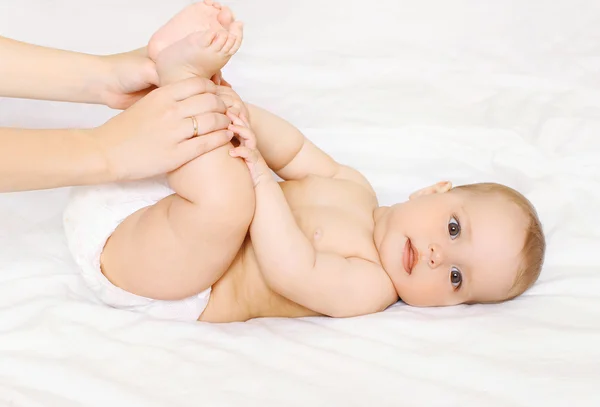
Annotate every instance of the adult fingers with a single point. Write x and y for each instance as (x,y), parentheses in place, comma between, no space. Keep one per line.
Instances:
(197,146)
(189,87)
(224,90)
(230,101)
(207,123)
(202,103)
(233,110)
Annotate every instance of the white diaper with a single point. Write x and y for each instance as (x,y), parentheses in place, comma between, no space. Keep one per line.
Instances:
(91,216)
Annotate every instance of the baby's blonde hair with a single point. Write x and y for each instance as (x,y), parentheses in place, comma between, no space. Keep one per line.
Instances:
(534,248)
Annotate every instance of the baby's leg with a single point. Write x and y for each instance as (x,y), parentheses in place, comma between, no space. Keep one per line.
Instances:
(200,16)
(200,54)
(184,243)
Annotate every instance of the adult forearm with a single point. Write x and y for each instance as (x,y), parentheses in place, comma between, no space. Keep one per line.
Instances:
(41,159)
(34,72)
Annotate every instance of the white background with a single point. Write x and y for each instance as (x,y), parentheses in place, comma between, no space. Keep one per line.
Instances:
(408,92)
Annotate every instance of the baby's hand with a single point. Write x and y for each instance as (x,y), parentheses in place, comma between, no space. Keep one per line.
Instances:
(233,102)
(259,170)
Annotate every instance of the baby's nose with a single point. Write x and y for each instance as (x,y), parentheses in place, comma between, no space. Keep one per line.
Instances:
(435,257)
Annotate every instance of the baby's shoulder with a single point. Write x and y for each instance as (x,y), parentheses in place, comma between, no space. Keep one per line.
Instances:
(355,176)
(376,288)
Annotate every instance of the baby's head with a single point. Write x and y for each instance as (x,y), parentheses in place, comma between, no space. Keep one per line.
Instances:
(477,243)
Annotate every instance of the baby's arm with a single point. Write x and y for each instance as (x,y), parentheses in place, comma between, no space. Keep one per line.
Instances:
(323,282)
(291,155)
(286,150)
(326,283)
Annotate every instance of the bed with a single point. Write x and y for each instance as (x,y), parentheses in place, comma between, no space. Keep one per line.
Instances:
(407,92)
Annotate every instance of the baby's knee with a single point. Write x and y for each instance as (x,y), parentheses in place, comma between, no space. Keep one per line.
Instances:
(238,201)
(233,192)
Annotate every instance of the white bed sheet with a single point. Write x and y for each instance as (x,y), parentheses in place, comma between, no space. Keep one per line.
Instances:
(408,92)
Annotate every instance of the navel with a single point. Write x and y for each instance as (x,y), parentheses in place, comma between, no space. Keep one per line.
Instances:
(318,234)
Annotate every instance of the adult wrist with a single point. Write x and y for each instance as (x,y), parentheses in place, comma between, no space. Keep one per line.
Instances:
(101,83)
(94,156)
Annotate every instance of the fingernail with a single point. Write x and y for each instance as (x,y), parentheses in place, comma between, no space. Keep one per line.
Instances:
(231,152)
(229,134)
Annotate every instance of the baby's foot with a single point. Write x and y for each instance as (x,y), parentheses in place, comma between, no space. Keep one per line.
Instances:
(199,54)
(202,16)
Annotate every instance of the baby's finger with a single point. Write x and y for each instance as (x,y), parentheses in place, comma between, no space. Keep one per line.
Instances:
(242,116)
(235,119)
(243,138)
(245,134)
(249,155)
(239,122)
(241,152)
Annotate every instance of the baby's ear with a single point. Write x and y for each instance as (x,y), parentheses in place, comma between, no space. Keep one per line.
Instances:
(440,187)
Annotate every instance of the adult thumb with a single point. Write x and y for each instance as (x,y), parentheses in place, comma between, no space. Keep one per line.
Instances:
(149,73)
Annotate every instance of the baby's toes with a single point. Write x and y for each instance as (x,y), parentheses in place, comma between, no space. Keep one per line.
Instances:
(203,38)
(219,41)
(225,17)
(229,45)
(237,29)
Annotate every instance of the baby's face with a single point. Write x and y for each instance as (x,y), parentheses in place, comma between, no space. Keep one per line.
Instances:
(447,248)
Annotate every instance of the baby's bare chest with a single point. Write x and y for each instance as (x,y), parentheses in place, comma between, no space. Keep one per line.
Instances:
(335,215)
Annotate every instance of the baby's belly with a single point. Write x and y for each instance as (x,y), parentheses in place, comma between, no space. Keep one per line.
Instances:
(242,294)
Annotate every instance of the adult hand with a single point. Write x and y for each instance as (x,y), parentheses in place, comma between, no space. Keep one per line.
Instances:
(155,135)
(117,80)
(131,76)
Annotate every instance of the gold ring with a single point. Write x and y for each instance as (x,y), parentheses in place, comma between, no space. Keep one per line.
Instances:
(195,123)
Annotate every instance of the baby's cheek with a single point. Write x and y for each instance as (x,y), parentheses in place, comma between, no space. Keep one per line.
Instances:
(425,292)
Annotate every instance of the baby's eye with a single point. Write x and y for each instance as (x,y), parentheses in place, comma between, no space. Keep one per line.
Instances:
(455,277)
(453,228)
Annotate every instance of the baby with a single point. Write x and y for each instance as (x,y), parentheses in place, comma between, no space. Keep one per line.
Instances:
(220,240)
